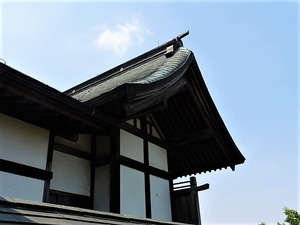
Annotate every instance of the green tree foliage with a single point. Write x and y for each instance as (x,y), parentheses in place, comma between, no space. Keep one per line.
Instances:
(292,217)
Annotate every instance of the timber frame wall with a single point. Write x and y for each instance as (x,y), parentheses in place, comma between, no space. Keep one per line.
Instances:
(114,160)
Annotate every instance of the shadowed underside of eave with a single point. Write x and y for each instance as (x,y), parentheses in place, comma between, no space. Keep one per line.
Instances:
(196,142)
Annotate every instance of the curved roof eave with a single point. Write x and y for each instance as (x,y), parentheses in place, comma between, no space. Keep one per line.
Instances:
(154,69)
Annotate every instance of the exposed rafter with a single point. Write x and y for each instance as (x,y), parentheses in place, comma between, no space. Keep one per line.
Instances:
(188,138)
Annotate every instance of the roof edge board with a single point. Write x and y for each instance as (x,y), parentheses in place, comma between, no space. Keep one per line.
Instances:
(23,85)
(154,99)
(212,115)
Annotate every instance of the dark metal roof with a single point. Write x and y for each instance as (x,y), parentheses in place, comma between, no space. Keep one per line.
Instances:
(167,84)
(16,211)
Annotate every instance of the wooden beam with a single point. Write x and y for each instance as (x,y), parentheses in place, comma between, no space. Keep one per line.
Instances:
(71,151)
(145,168)
(158,96)
(92,183)
(49,166)
(188,190)
(24,170)
(115,191)
(17,84)
(102,161)
(188,138)
(205,104)
(153,109)
(131,129)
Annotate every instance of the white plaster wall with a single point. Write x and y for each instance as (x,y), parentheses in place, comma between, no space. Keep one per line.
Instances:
(158,157)
(155,134)
(22,142)
(160,199)
(83,143)
(132,191)
(131,122)
(16,186)
(131,146)
(138,123)
(70,174)
(102,189)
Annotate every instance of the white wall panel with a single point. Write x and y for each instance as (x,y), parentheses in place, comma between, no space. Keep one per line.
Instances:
(102,189)
(16,186)
(158,157)
(132,192)
(160,199)
(22,142)
(131,146)
(70,174)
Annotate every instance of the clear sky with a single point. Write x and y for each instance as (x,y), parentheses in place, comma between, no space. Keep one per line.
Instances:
(247,52)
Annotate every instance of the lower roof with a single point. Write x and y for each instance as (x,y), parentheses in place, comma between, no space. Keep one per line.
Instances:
(17,211)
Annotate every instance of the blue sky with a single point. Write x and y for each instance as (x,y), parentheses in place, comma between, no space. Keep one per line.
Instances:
(247,52)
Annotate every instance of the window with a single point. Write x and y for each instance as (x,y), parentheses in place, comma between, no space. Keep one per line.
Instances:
(69,199)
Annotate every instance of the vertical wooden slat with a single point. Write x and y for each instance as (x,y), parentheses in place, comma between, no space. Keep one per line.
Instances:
(49,166)
(93,156)
(146,172)
(115,173)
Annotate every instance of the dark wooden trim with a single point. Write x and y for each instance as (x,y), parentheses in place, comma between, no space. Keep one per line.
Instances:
(108,160)
(154,101)
(148,195)
(188,190)
(68,136)
(49,166)
(208,110)
(115,205)
(156,127)
(146,173)
(24,170)
(75,200)
(144,168)
(92,184)
(102,161)
(135,122)
(172,199)
(188,138)
(153,109)
(34,91)
(144,135)
(71,151)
